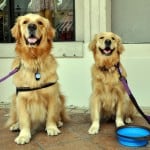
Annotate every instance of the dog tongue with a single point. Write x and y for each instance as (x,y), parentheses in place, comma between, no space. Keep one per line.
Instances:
(107,51)
(32,40)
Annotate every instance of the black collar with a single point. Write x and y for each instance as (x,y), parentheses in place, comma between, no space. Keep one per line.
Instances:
(27,89)
(105,69)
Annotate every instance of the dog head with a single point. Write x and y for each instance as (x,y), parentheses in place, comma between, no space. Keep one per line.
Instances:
(33,33)
(106,48)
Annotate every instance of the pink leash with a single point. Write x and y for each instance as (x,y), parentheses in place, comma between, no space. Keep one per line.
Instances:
(125,84)
(9,74)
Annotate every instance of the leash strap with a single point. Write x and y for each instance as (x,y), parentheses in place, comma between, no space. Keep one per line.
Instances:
(27,89)
(9,74)
(125,84)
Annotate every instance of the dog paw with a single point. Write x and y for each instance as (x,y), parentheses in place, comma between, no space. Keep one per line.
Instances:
(60,124)
(128,120)
(14,127)
(119,123)
(53,130)
(94,129)
(23,139)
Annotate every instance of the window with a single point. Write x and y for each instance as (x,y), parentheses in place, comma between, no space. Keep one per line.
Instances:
(59,12)
(65,15)
(130,20)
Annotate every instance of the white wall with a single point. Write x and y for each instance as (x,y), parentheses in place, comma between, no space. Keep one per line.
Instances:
(74,73)
(136,60)
(75,77)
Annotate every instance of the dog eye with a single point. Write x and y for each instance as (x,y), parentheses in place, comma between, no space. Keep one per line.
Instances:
(113,38)
(25,22)
(40,23)
(101,37)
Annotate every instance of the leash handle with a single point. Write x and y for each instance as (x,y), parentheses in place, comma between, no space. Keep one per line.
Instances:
(9,74)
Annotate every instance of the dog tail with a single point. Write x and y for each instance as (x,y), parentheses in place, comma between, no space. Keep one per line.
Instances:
(64,116)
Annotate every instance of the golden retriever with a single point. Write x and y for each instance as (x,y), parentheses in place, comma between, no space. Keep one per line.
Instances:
(33,108)
(109,98)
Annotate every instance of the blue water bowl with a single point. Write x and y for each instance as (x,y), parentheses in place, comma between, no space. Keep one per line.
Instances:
(133,136)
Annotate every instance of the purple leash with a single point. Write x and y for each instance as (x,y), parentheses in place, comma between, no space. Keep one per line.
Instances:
(9,74)
(125,84)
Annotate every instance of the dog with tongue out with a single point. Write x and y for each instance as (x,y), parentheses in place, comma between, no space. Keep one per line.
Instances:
(32,39)
(38,101)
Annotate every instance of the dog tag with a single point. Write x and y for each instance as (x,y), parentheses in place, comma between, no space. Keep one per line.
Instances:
(37,76)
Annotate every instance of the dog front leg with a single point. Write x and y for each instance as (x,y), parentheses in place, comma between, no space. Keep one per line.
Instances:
(119,115)
(24,122)
(52,117)
(95,114)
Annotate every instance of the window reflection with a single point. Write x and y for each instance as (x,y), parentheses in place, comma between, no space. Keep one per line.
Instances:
(59,12)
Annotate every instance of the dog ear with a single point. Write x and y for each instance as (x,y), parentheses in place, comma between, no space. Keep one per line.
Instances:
(15,30)
(120,45)
(50,31)
(92,45)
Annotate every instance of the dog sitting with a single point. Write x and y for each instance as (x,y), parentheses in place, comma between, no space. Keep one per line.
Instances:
(43,102)
(109,98)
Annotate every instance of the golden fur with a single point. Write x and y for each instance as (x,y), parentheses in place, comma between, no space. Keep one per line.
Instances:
(34,35)
(109,98)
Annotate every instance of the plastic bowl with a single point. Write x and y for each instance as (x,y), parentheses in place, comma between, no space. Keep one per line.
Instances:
(133,136)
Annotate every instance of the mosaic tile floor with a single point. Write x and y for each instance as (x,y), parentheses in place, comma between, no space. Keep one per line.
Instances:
(74,135)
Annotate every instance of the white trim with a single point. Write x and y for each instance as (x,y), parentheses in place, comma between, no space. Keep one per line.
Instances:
(7,50)
(105,17)
(87,17)
(79,21)
(71,50)
(60,49)
(94,16)
(100,16)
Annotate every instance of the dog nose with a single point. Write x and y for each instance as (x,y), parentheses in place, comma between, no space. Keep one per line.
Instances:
(107,42)
(32,27)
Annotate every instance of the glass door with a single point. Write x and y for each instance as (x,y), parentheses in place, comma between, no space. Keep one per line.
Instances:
(59,12)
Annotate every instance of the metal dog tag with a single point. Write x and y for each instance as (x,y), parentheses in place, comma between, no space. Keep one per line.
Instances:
(37,76)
